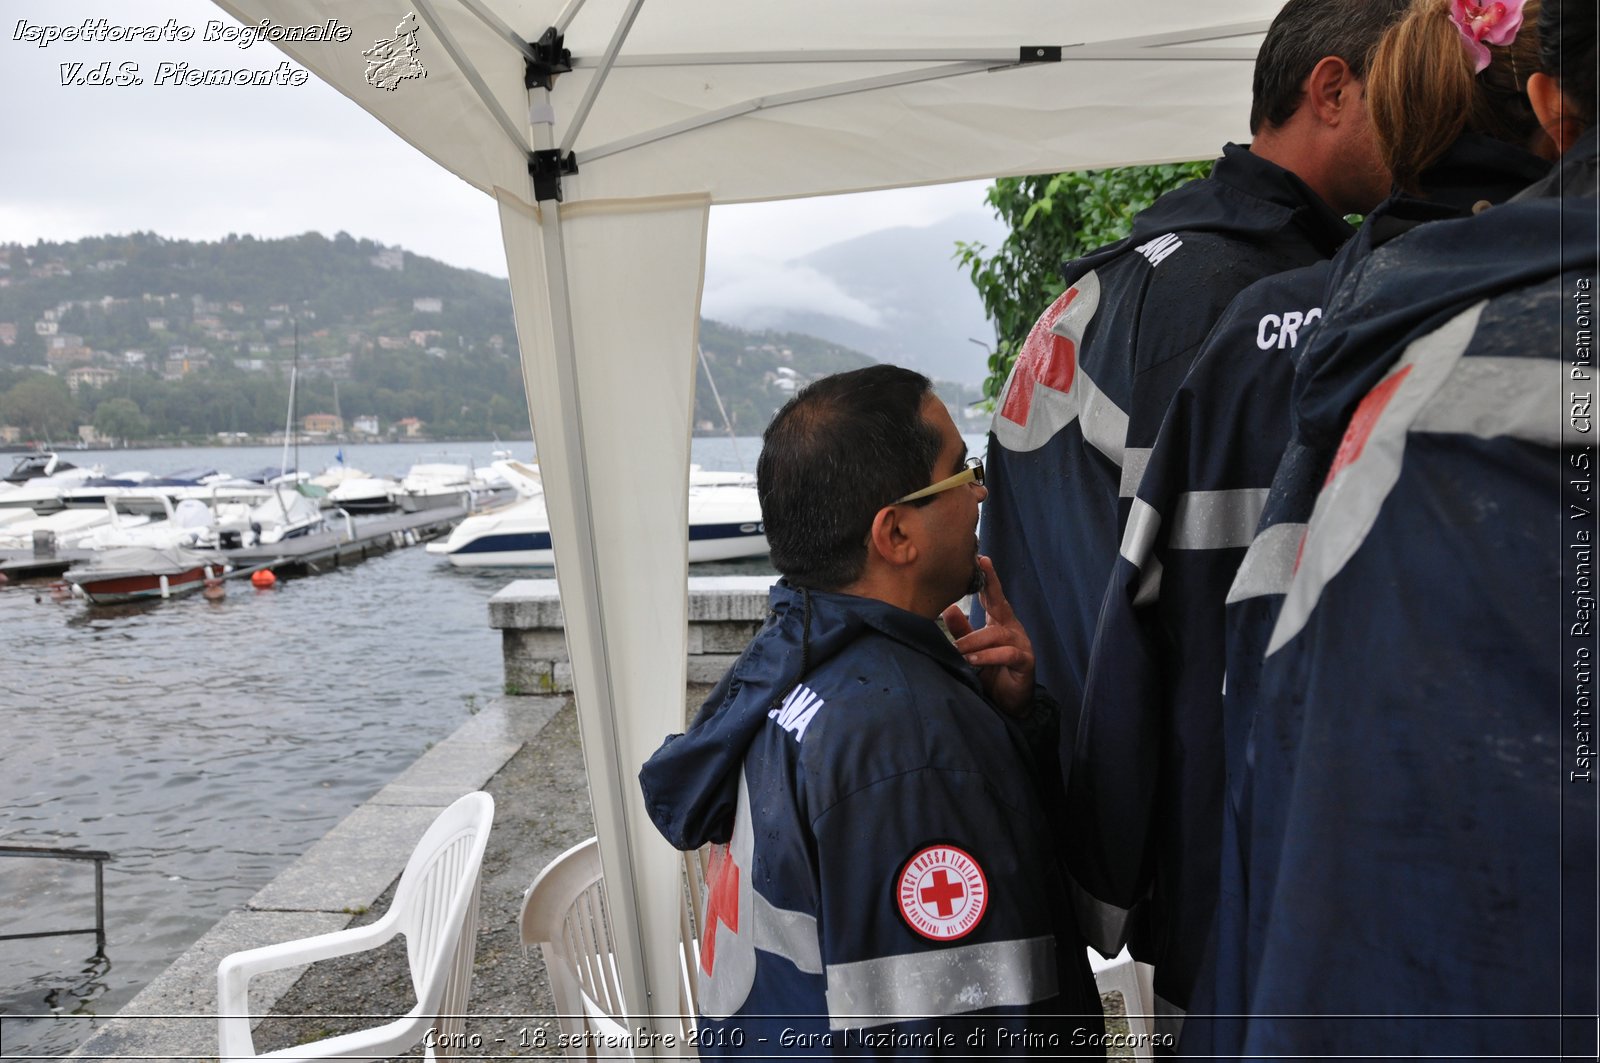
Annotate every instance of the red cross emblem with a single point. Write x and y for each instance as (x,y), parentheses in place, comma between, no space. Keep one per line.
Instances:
(1364,420)
(942,893)
(1045,358)
(722,903)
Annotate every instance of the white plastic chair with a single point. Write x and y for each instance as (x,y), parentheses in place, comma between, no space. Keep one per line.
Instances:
(565,913)
(1121,975)
(435,907)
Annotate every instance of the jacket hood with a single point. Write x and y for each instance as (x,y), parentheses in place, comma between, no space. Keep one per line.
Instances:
(690,784)
(1412,284)
(1241,197)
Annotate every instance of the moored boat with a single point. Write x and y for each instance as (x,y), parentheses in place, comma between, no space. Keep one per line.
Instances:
(130,573)
(724,525)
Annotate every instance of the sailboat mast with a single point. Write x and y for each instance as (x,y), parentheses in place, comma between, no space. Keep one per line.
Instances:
(296,373)
(288,420)
(728,423)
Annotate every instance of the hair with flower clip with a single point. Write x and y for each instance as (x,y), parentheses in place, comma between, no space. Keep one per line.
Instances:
(1423,90)
(1496,22)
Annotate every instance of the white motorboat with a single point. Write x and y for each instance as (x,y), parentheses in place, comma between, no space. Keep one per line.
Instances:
(364,494)
(65,527)
(724,525)
(440,484)
(288,514)
(185,524)
(37,464)
(43,494)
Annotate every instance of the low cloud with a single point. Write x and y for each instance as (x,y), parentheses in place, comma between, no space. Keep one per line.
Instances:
(742,291)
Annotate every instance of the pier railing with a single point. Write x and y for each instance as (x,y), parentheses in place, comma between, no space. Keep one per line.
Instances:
(99,856)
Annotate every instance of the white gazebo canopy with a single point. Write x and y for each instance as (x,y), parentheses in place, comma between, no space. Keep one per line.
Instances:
(606,129)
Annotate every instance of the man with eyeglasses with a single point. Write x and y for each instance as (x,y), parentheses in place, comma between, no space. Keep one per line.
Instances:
(885,877)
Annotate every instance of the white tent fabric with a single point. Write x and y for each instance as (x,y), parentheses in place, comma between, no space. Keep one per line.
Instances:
(669,108)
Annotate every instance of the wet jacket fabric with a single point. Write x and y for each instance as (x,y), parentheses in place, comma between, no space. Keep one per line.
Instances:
(889,881)
(1405,826)
(1089,388)
(1081,411)
(1149,760)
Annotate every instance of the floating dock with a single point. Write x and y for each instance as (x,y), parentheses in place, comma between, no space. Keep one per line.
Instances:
(349,541)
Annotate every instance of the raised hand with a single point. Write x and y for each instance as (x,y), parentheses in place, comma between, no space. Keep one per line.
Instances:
(1000,650)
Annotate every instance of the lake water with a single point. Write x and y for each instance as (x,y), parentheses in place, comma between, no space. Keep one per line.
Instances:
(208,744)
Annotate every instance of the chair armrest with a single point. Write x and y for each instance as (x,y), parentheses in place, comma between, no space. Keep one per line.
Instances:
(236,970)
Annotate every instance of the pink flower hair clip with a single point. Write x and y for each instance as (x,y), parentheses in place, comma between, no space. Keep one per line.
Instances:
(1496,22)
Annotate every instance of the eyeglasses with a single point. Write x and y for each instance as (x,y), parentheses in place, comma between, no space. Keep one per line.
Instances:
(972,473)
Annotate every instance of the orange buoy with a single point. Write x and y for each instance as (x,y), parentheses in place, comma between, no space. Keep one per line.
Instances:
(214,590)
(262,578)
(60,591)
(4,579)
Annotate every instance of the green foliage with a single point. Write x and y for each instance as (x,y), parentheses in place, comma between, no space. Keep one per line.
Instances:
(1054,218)
(120,420)
(42,407)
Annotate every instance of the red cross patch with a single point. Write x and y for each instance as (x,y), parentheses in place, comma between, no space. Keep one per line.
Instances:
(1364,420)
(1041,395)
(722,903)
(1045,358)
(942,893)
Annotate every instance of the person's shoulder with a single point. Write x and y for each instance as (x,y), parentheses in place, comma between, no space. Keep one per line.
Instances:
(878,709)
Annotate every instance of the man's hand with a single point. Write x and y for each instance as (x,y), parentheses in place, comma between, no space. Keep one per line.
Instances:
(999,650)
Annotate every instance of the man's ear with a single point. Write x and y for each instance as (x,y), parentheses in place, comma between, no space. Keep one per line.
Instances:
(1554,110)
(1331,90)
(892,537)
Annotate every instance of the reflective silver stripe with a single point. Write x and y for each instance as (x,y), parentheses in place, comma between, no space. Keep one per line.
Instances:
(1348,506)
(1217,520)
(1104,925)
(947,981)
(1517,397)
(1105,426)
(1169,1019)
(724,990)
(1139,537)
(792,935)
(1149,583)
(1134,461)
(1268,565)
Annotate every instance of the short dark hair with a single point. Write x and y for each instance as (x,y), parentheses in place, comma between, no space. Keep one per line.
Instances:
(839,451)
(1567,39)
(1303,34)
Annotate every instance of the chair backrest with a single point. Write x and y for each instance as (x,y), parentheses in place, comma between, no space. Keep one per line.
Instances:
(565,913)
(436,906)
(691,934)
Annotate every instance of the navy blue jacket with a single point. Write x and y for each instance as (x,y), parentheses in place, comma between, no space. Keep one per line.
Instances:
(891,847)
(1149,764)
(1089,389)
(1074,429)
(1413,834)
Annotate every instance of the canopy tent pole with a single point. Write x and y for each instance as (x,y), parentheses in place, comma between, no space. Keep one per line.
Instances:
(592,91)
(768,103)
(645,957)
(622,884)
(495,23)
(470,72)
